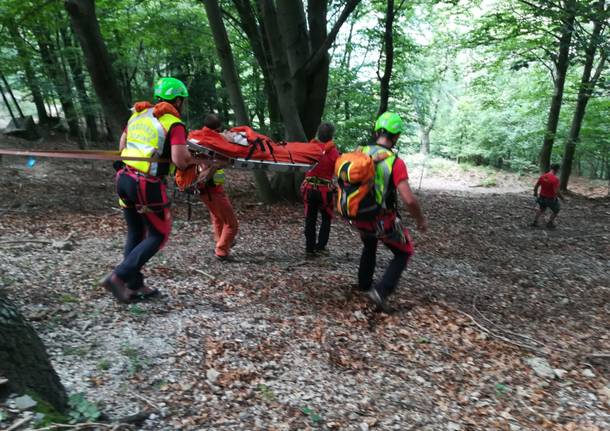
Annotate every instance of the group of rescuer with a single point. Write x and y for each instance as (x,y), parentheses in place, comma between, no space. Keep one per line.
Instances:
(156,132)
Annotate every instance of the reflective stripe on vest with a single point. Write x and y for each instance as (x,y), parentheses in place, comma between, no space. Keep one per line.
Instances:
(384,161)
(146,138)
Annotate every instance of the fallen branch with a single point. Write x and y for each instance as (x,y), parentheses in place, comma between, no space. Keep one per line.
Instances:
(81,426)
(211,277)
(25,241)
(20,423)
(493,334)
(506,331)
(598,355)
(146,400)
(135,419)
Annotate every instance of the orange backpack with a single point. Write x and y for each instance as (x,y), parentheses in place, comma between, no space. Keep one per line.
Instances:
(355,174)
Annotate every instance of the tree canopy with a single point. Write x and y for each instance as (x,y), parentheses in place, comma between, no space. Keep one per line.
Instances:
(512,83)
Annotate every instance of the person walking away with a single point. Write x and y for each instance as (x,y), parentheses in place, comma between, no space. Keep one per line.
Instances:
(158,132)
(548,198)
(213,196)
(391,181)
(318,192)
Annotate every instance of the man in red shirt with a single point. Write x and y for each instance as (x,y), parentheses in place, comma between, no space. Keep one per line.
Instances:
(549,192)
(318,192)
(387,227)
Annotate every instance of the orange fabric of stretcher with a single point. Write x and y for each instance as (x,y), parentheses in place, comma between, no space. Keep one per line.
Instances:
(264,147)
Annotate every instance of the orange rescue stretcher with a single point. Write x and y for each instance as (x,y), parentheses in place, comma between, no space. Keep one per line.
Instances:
(243,148)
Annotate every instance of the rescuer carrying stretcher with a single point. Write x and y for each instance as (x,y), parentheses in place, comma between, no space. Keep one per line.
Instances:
(156,132)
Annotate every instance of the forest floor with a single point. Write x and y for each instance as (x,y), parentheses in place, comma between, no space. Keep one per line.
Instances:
(499,325)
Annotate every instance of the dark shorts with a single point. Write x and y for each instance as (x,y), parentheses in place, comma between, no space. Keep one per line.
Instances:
(552,203)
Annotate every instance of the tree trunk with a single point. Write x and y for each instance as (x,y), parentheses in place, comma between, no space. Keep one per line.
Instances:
(225,55)
(10,92)
(260,46)
(60,84)
(562,65)
(293,52)
(30,76)
(285,185)
(230,77)
(388,46)
(424,140)
(587,84)
(24,360)
(85,25)
(282,78)
(346,65)
(8,105)
(74,62)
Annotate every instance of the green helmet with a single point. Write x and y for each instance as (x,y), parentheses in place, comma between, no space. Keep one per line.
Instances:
(389,121)
(169,89)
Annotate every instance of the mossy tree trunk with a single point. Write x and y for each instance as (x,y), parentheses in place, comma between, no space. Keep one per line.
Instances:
(24,360)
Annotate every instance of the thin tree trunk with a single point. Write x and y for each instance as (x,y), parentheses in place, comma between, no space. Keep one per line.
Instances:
(30,76)
(562,65)
(61,87)
(74,62)
(587,84)
(8,105)
(10,92)
(230,77)
(86,27)
(227,64)
(347,60)
(388,45)
(424,140)
(24,360)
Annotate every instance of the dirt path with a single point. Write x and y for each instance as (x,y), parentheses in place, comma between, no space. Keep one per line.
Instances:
(274,341)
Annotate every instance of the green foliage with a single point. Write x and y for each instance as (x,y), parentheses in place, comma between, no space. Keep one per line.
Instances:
(266,392)
(313,416)
(103,365)
(81,409)
(136,310)
(66,298)
(473,76)
(501,390)
(49,415)
(137,363)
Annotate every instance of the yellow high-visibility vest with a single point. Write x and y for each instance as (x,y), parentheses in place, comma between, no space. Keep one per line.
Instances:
(146,136)
(219,177)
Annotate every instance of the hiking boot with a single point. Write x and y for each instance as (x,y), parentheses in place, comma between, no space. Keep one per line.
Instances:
(310,255)
(145,293)
(551,225)
(105,282)
(380,302)
(225,258)
(322,252)
(119,289)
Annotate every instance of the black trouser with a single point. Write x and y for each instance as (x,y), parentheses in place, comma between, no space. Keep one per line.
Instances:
(315,204)
(368,260)
(143,239)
